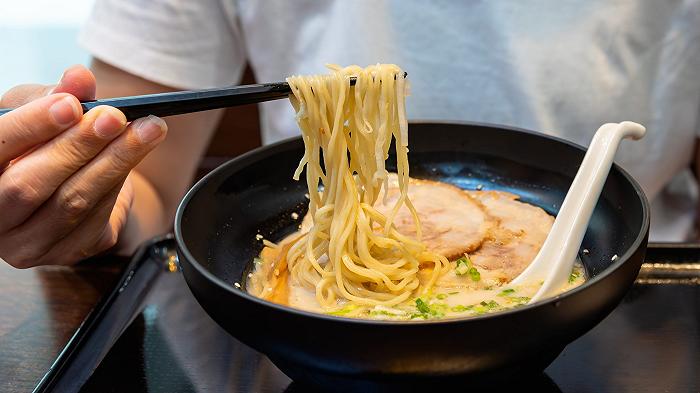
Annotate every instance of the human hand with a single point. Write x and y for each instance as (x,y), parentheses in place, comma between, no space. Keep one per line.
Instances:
(65,191)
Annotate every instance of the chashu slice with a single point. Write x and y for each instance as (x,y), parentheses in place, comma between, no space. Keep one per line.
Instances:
(452,222)
(515,241)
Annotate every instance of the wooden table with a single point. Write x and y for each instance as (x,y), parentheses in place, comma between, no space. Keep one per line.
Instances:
(40,309)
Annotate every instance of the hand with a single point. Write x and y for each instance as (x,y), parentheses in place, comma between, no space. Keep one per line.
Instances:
(65,191)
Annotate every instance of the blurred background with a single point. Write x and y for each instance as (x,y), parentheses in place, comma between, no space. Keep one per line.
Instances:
(41,36)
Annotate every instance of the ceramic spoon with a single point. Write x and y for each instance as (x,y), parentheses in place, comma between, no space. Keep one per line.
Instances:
(555,261)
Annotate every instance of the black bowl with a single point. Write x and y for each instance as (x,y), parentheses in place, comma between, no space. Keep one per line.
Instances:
(217,223)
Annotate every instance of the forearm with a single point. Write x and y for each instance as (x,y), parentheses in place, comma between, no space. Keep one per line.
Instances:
(147,216)
(163,177)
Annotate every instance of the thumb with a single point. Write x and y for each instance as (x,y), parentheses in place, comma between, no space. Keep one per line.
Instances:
(23,94)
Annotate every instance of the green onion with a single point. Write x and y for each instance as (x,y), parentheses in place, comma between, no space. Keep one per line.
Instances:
(474,274)
(461,308)
(520,299)
(506,292)
(480,309)
(461,269)
(422,306)
(442,296)
(573,276)
(491,304)
(465,266)
(453,293)
(436,310)
(343,311)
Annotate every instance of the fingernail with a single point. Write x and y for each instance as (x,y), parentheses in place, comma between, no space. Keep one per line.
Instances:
(64,111)
(108,124)
(150,128)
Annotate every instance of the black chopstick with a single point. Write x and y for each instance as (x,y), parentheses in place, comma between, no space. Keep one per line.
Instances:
(180,102)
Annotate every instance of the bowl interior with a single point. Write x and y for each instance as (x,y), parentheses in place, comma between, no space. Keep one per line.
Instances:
(255,193)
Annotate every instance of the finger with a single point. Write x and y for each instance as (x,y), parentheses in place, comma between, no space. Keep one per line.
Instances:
(99,232)
(77,245)
(70,204)
(76,80)
(29,182)
(35,123)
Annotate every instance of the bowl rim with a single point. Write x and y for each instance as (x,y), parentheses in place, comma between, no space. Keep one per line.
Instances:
(274,147)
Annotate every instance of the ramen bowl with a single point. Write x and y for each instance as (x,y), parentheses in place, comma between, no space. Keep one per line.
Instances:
(254,194)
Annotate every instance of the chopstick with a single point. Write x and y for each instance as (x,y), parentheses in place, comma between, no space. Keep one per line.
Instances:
(180,102)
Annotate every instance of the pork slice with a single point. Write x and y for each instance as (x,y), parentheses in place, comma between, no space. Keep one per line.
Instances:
(512,244)
(452,222)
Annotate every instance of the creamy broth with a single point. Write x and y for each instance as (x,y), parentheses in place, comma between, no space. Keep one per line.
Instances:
(438,304)
(494,243)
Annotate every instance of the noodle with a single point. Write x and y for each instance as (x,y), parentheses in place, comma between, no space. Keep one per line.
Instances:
(352,252)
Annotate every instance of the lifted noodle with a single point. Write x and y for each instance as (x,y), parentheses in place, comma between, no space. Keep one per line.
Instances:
(353,252)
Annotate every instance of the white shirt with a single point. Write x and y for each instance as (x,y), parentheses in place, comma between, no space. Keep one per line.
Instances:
(563,68)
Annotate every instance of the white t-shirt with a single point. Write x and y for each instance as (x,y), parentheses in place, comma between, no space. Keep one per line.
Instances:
(563,68)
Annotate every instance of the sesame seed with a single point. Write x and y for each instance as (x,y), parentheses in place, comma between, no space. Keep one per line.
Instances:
(614,258)
(237,285)
(585,251)
(258,237)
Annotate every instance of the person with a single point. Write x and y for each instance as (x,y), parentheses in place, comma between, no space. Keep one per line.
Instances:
(561,69)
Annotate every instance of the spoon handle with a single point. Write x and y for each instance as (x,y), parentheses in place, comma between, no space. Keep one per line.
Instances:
(555,260)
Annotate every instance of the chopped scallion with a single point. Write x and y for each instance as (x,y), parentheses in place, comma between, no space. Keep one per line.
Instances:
(573,276)
(474,274)
(343,311)
(506,292)
(461,269)
(461,308)
(422,306)
(491,304)
(465,266)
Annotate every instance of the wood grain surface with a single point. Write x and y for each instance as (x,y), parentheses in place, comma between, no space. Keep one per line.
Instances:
(40,309)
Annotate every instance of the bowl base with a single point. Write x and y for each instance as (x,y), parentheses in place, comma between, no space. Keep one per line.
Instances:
(507,379)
